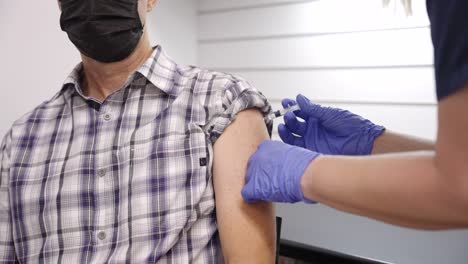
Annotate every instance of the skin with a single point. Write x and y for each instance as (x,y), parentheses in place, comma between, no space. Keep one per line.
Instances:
(247,232)
(390,142)
(422,190)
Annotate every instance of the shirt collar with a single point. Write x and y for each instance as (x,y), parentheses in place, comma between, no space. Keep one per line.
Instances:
(158,69)
(71,83)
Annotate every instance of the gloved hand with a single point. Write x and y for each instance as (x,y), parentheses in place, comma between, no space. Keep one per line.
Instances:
(328,130)
(274,173)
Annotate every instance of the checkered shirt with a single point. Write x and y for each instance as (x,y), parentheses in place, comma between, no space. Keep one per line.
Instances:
(128,180)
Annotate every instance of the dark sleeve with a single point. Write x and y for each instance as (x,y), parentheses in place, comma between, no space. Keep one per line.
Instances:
(449,29)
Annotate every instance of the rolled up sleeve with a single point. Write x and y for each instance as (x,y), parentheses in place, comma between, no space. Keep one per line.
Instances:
(236,95)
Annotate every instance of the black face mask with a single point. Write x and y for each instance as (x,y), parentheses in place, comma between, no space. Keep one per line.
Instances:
(104,30)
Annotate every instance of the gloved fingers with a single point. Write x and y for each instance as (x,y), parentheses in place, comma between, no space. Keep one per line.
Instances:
(288,102)
(303,100)
(287,136)
(303,113)
(259,153)
(307,201)
(308,109)
(248,193)
(264,144)
(251,162)
(294,125)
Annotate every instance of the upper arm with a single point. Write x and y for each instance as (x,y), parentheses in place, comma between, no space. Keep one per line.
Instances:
(247,231)
(452,142)
(7,250)
(450,39)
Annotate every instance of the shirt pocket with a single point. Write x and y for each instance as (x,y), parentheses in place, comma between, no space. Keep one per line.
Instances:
(170,176)
(164,153)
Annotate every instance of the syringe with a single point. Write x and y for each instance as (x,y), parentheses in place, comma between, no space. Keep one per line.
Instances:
(281,112)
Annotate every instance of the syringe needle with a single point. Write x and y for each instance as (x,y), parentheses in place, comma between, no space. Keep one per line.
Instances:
(281,112)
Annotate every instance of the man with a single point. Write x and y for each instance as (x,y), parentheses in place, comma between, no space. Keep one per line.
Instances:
(424,190)
(122,165)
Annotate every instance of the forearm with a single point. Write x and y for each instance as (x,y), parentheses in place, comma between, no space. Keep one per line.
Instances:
(390,142)
(403,189)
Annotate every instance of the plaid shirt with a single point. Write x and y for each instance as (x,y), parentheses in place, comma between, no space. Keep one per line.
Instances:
(126,180)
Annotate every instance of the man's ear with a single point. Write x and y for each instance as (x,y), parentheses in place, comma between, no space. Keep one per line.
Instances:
(151,4)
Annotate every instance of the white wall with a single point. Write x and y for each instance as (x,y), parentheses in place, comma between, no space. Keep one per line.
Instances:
(37,56)
(174,27)
(349,54)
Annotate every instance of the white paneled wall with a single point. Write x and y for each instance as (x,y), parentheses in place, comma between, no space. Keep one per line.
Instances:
(173,25)
(351,54)
(269,18)
(336,52)
(410,47)
(36,57)
(206,6)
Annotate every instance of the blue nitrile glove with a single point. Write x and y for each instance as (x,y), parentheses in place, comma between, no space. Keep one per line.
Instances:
(328,130)
(274,173)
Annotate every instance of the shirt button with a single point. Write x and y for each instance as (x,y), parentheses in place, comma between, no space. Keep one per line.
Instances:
(102,172)
(107,117)
(102,235)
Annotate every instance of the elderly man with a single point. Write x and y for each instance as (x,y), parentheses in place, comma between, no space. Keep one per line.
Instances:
(123,163)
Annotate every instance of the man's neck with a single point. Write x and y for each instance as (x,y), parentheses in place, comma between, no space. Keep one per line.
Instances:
(102,79)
